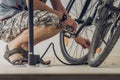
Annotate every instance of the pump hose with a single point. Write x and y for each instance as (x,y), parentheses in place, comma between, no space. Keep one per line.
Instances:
(52,44)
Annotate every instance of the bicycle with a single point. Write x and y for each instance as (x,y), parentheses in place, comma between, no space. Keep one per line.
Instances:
(106,34)
(84,19)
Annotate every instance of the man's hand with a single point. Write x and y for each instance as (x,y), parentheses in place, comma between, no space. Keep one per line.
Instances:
(85,43)
(70,22)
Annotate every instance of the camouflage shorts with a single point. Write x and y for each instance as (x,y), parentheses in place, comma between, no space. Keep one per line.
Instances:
(13,26)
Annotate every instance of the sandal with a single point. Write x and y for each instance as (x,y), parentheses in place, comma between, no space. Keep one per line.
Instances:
(20,61)
(23,60)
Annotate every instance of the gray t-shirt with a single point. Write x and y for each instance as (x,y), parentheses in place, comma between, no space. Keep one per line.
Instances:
(10,7)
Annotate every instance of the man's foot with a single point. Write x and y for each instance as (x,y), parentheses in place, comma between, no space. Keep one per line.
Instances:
(19,56)
(85,43)
(15,56)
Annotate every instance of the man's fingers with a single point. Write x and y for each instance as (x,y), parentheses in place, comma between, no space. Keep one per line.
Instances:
(85,46)
(88,42)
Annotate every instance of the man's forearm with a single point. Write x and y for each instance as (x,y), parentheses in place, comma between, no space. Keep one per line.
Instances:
(38,5)
(57,5)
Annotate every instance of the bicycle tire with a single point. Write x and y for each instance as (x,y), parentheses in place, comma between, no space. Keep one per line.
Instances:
(95,58)
(66,54)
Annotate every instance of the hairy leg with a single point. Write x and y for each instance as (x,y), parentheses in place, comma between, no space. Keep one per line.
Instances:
(40,34)
(38,40)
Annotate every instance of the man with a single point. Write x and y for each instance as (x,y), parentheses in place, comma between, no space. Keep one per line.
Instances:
(47,23)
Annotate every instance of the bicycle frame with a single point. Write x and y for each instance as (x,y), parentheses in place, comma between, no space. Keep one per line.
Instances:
(71,2)
(79,20)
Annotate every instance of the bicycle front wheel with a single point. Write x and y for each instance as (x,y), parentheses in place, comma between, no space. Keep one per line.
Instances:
(72,51)
(105,36)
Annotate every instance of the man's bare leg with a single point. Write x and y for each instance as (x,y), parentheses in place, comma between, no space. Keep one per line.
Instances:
(40,34)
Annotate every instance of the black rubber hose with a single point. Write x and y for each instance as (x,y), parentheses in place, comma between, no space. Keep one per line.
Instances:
(52,44)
